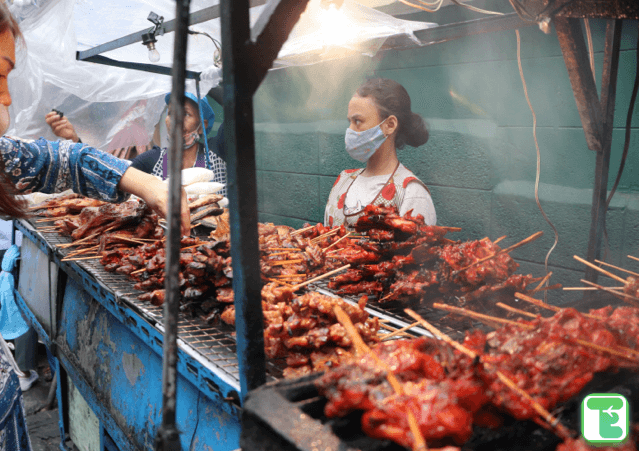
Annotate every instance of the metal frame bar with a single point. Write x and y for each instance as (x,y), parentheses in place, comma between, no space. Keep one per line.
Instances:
(602,167)
(152,68)
(597,115)
(203,15)
(245,64)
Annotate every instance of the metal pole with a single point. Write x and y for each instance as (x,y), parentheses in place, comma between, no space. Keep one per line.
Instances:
(242,193)
(602,168)
(168,438)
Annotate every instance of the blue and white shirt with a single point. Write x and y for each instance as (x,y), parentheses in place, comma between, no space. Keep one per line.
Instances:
(55,166)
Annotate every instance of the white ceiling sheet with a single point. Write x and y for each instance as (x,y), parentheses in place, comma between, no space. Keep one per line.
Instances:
(113,107)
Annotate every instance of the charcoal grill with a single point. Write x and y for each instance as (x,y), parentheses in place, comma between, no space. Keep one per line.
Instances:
(288,416)
(212,344)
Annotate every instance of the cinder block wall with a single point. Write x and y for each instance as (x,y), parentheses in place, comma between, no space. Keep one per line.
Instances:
(480,160)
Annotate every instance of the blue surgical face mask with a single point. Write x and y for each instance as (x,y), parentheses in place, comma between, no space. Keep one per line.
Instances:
(362,145)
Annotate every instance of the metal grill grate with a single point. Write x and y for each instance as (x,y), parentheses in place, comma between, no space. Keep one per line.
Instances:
(216,343)
(394,313)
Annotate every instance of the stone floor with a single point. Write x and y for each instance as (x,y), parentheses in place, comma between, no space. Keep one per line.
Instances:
(42,421)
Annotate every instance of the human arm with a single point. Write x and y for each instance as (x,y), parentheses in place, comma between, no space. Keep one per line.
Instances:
(61,126)
(54,166)
(418,199)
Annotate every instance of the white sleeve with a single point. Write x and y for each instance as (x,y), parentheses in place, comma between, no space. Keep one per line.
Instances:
(418,199)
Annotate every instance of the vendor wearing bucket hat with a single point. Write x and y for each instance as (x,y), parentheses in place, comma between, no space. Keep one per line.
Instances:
(197,124)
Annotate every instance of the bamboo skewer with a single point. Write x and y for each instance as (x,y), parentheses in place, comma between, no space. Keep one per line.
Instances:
(551,287)
(288,249)
(345,236)
(286,262)
(362,349)
(325,235)
(81,258)
(542,282)
(281,282)
(137,271)
(315,279)
(301,230)
(621,295)
(559,428)
(634,258)
(589,288)
(81,251)
(516,310)
(75,243)
(486,319)
(282,253)
(492,319)
(401,331)
(542,304)
(601,270)
(499,239)
(617,268)
(530,239)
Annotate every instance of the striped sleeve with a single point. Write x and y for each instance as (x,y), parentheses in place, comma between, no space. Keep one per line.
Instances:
(54,166)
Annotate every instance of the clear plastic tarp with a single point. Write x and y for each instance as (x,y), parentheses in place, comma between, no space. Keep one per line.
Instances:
(113,107)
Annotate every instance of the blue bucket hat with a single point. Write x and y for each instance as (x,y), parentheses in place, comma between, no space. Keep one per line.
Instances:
(205,108)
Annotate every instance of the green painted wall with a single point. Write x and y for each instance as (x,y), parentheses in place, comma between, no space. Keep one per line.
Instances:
(480,160)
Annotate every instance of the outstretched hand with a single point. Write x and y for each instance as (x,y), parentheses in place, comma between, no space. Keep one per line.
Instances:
(155,193)
(61,126)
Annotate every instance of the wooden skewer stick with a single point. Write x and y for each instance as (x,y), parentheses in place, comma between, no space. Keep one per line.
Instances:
(315,279)
(550,287)
(542,304)
(301,230)
(283,253)
(634,258)
(499,239)
(601,270)
(537,302)
(137,271)
(619,351)
(361,348)
(81,258)
(81,251)
(543,281)
(286,262)
(287,249)
(486,319)
(560,429)
(589,288)
(281,282)
(621,295)
(401,331)
(450,229)
(506,250)
(124,238)
(75,243)
(617,268)
(327,234)
(345,236)
(516,310)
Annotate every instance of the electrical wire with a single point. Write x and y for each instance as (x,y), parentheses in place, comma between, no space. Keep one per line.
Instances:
(591,50)
(217,55)
(538,172)
(626,145)
(438,5)
(474,8)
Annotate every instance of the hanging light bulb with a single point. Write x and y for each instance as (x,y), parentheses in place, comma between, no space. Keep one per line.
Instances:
(148,38)
(154,55)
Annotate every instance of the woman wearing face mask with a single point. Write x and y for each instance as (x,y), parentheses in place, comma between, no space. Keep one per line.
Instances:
(381,121)
(155,160)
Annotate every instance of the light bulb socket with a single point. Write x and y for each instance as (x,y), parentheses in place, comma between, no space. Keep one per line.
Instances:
(149,40)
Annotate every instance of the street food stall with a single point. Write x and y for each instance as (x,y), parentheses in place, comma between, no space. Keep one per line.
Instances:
(107,318)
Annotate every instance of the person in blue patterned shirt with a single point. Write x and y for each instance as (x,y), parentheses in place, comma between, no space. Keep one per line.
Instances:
(46,166)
